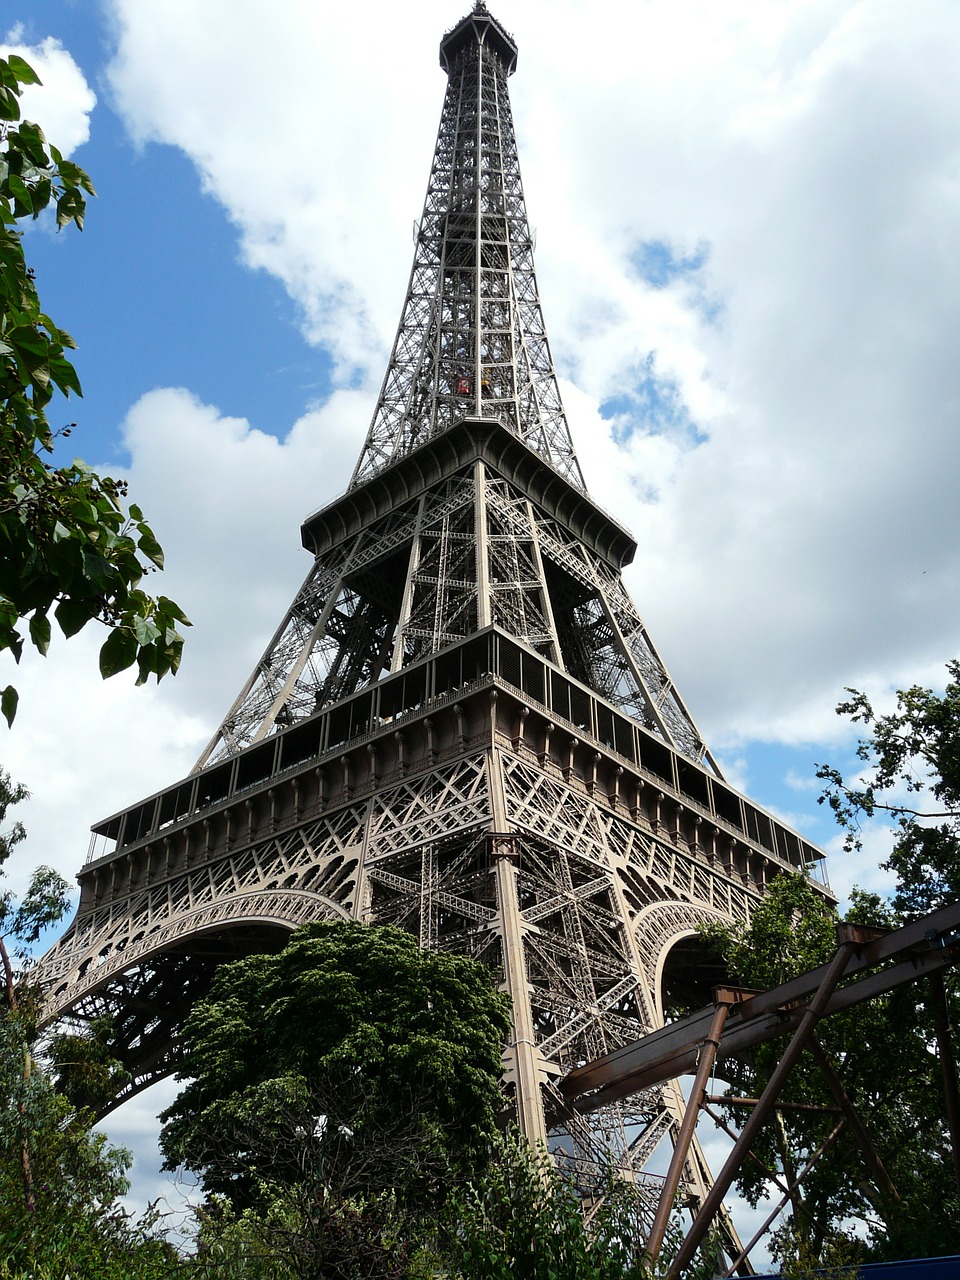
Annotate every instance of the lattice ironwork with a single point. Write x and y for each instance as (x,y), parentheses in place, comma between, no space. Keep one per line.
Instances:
(461,726)
(471,339)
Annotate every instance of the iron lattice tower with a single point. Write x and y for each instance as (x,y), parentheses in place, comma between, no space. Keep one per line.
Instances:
(461,726)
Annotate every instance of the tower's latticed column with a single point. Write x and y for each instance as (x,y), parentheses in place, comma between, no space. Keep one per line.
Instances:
(461,726)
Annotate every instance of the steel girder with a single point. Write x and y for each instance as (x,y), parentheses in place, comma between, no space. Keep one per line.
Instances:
(471,339)
(470,839)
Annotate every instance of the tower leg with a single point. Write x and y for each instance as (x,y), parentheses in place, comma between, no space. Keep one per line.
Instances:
(521,1054)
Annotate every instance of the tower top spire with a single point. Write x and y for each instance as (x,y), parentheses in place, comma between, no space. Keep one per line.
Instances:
(479,27)
(471,341)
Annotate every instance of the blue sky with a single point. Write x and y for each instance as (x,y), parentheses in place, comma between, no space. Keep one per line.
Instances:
(152,289)
(748,251)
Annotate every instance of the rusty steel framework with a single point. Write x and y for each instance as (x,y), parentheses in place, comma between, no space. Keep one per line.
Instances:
(461,726)
(739,1020)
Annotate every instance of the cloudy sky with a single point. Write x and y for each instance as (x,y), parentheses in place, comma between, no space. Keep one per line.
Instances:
(748,250)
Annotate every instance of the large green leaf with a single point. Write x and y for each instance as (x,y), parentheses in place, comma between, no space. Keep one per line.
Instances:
(40,631)
(118,652)
(9,699)
(72,615)
(22,70)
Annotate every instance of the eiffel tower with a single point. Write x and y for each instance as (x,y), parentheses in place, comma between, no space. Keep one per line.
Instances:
(461,726)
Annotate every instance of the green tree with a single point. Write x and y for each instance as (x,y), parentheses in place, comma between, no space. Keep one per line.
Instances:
(911,775)
(882,1051)
(352,1063)
(523,1218)
(59,1182)
(68,549)
(71,1224)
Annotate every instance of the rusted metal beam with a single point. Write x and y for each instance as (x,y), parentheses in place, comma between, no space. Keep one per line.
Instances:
(668,1194)
(774,1177)
(832,974)
(881,1179)
(765,1225)
(673,1050)
(721,1100)
(948,1066)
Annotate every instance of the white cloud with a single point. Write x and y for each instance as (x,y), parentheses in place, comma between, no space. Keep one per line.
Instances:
(86,748)
(809,150)
(215,483)
(861,868)
(62,104)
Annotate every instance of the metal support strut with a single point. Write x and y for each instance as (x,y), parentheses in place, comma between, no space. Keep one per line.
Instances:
(798,1043)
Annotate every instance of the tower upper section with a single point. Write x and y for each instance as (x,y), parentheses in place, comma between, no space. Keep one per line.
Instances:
(478,28)
(471,341)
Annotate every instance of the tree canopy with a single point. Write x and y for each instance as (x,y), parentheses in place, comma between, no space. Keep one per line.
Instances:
(911,775)
(881,1049)
(59,1182)
(69,551)
(379,1059)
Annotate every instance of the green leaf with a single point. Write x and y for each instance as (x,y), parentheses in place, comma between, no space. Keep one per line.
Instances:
(31,140)
(40,632)
(145,630)
(28,341)
(9,106)
(70,208)
(20,191)
(83,512)
(150,546)
(65,376)
(118,652)
(22,70)
(96,570)
(70,173)
(8,704)
(73,615)
(170,609)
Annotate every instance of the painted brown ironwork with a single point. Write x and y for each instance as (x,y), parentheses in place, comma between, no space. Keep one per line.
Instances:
(461,726)
(869,962)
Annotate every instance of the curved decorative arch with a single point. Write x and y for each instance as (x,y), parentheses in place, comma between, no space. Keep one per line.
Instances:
(71,973)
(660,927)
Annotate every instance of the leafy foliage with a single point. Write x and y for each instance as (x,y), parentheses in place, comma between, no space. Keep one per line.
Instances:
(522,1219)
(352,1052)
(71,1223)
(881,1049)
(517,1217)
(914,753)
(43,904)
(59,1182)
(67,547)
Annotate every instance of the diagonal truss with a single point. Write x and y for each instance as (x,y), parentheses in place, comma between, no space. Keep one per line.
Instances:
(473,550)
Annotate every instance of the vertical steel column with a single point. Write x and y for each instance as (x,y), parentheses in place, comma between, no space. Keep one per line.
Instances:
(523,1051)
(484,604)
(527,1078)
